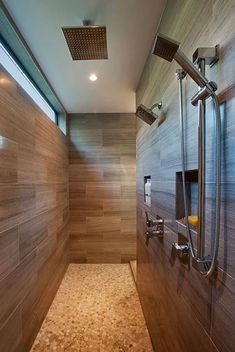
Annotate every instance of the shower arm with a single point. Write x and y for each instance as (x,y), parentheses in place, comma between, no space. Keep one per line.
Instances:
(198,75)
(156,105)
(193,72)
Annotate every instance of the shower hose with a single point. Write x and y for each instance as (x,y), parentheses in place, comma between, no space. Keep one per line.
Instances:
(207,271)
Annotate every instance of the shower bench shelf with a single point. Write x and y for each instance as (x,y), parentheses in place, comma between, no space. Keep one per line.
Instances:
(183,230)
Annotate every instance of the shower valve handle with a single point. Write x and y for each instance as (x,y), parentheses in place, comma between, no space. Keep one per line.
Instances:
(182,250)
(154,233)
(152,222)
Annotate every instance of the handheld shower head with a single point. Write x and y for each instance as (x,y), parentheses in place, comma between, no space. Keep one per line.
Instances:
(146,114)
(165,47)
(168,49)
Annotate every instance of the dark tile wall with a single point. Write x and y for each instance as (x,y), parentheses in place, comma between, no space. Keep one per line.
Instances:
(184,311)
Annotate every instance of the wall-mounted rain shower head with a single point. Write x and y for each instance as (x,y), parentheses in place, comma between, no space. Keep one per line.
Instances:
(148,116)
(168,49)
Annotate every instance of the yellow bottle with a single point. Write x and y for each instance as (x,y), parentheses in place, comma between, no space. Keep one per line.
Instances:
(193,220)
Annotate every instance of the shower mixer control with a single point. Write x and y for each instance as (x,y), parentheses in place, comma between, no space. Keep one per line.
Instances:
(153,222)
(153,233)
(155,227)
(182,250)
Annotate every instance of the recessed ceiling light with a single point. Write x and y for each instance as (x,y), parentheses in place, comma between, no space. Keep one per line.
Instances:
(93,77)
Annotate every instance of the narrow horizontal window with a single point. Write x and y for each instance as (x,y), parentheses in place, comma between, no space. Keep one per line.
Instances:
(7,61)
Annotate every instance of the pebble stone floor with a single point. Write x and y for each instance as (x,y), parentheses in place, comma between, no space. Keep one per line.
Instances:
(96,309)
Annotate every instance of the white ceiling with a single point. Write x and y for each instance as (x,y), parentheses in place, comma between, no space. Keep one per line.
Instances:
(131,25)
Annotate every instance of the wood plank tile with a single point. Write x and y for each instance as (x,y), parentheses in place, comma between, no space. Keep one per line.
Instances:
(45,197)
(102,186)
(223,301)
(85,173)
(32,233)
(12,341)
(29,166)
(15,201)
(108,190)
(87,207)
(9,251)
(15,286)
(9,160)
(98,224)
(33,215)
(77,190)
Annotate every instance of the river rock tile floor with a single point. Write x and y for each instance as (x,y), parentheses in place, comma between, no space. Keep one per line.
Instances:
(96,309)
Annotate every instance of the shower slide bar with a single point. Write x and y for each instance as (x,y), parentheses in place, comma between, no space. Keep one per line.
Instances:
(169,49)
(205,265)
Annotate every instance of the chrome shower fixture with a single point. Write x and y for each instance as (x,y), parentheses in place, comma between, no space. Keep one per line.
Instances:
(146,114)
(210,55)
(206,265)
(168,49)
(156,105)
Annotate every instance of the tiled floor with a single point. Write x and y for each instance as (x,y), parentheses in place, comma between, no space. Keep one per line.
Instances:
(96,309)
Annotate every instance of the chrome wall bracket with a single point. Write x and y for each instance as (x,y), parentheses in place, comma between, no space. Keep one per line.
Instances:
(201,57)
(209,54)
(180,73)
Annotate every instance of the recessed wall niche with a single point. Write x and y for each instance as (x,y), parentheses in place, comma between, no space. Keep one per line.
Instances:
(191,178)
(147,190)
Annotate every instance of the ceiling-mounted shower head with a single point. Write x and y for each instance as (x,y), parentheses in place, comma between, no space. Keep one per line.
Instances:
(168,49)
(88,42)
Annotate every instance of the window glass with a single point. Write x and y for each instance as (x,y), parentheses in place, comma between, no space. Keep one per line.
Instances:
(7,61)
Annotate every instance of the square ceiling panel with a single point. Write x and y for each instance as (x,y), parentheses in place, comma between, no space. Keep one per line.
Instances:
(87,42)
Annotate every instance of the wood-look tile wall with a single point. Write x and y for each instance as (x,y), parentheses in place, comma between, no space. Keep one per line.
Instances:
(102,191)
(184,311)
(33,215)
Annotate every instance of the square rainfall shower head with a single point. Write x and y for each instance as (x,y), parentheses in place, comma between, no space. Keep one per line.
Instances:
(87,42)
(165,47)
